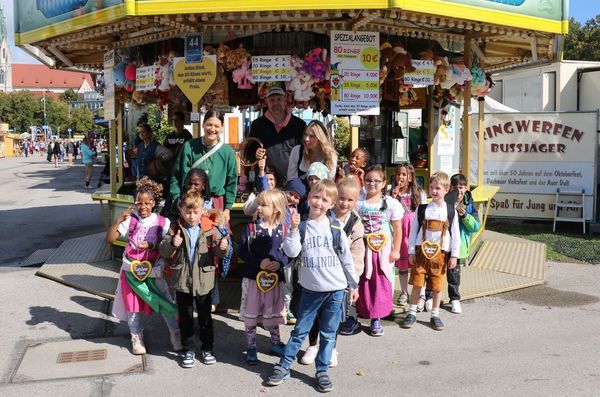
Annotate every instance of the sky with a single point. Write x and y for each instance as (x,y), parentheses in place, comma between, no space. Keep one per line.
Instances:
(581,10)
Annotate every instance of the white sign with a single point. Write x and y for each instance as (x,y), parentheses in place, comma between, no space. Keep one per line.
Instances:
(531,155)
(195,117)
(423,75)
(109,86)
(144,78)
(354,121)
(271,68)
(354,73)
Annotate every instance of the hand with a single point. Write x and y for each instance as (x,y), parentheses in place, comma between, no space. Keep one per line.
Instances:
(394,256)
(226,215)
(260,153)
(354,295)
(295,220)
(144,245)
(341,172)
(395,192)
(224,244)
(124,215)
(452,263)
(273,266)
(265,264)
(461,211)
(359,172)
(177,239)
(262,163)
(412,260)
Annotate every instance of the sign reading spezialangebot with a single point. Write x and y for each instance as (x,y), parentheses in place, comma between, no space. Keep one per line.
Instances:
(354,73)
(530,155)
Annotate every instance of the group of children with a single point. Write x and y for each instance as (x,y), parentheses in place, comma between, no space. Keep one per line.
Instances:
(345,241)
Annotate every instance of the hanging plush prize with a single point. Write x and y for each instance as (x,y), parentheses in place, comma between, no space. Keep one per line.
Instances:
(376,241)
(266,281)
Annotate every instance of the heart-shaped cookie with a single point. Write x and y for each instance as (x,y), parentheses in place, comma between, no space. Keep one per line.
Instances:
(430,250)
(376,241)
(266,281)
(141,269)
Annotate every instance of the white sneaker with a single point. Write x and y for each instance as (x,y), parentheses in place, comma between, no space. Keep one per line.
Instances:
(456,309)
(176,340)
(421,304)
(403,299)
(334,359)
(428,305)
(137,344)
(310,355)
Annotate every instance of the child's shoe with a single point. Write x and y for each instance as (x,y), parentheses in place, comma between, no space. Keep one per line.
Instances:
(350,326)
(310,355)
(137,344)
(189,359)
(436,323)
(421,304)
(403,299)
(278,376)
(290,319)
(428,305)
(176,340)
(323,382)
(409,321)
(376,328)
(334,359)
(456,308)
(251,358)
(208,357)
(278,349)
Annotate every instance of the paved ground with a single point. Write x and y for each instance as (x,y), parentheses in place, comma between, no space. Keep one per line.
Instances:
(541,341)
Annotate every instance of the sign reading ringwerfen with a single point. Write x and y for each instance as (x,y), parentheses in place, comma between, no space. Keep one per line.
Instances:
(531,155)
(354,72)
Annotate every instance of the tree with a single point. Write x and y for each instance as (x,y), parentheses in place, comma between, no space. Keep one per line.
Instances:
(57,115)
(582,43)
(68,96)
(81,119)
(341,139)
(20,109)
(158,122)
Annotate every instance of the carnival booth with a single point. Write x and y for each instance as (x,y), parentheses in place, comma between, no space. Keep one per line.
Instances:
(402,71)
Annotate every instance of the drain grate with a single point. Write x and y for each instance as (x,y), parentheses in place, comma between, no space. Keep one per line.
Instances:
(81,356)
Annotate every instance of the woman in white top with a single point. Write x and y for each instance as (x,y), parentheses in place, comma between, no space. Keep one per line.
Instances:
(317,145)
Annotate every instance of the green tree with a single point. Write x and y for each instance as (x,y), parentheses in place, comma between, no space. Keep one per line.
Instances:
(158,122)
(81,120)
(582,43)
(341,139)
(68,96)
(57,115)
(20,110)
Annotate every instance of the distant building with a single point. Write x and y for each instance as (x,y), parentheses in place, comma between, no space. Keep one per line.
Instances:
(5,57)
(89,99)
(38,78)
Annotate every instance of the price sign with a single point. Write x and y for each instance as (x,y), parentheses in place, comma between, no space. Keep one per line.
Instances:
(193,48)
(271,68)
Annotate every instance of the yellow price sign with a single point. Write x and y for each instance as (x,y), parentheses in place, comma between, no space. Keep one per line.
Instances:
(369,57)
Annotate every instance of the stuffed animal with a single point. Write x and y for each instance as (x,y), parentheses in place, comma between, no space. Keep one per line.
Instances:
(222,53)
(119,74)
(243,76)
(442,67)
(401,62)
(237,57)
(386,56)
(301,87)
(315,65)
(138,98)
(480,85)
(130,77)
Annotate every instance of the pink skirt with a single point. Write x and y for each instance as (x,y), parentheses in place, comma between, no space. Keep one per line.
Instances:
(375,294)
(132,302)
(256,307)
(406,221)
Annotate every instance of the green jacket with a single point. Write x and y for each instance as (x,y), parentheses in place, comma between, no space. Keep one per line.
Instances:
(468,225)
(220,166)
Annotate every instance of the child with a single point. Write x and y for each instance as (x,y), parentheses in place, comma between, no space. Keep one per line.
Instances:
(260,250)
(193,244)
(381,216)
(138,290)
(316,172)
(469,224)
(197,181)
(359,158)
(433,237)
(326,270)
(410,195)
(265,181)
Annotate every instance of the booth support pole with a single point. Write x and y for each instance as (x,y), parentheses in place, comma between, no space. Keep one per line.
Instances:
(195,125)
(353,138)
(466,136)
(120,154)
(431,152)
(480,147)
(112,158)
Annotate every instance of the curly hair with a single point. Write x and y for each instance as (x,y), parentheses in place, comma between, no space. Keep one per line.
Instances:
(148,186)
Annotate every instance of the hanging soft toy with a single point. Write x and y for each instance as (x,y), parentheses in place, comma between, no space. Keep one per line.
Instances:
(130,77)
(480,85)
(162,69)
(222,54)
(386,56)
(400,63)
(315,65)
(119,74)
(442,66)
(301,86)
(236,57)
(243,76)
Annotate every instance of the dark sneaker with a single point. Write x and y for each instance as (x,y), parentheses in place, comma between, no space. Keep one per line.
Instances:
(189,359)
(436,323)
(251,358)
(278,376)
(376,328)
(324,384)
(409,321)
(350,326)
(290,319)
(208,357)
(278,349)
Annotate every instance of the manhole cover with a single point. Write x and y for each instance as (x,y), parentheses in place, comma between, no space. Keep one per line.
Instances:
(77,358)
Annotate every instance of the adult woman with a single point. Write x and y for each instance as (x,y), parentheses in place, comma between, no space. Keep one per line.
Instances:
(216,159)
(151,155)
(87,156)
(316,146)
(56,152)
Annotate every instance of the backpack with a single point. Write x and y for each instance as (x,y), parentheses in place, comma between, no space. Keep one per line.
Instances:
(336,233)
(421,215)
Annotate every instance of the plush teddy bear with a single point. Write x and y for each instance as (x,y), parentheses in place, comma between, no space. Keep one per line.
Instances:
(301,86)
(243,76)
(386,55)
(442,66)
(222,53)
(315,64)
(401,62)
(236,57)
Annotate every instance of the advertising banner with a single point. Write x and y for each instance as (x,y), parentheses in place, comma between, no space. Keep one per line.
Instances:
(109,86)
(531,155)
(354,73)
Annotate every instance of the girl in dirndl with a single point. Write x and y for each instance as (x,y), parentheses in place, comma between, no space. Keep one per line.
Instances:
(381,217)
(141,289)
(262,293)
(408,192)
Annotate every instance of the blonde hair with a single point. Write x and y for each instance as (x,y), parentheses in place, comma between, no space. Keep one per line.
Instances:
(192,200)
(325,186)
(276,198)
(348,182)
(325,144)
(441,178)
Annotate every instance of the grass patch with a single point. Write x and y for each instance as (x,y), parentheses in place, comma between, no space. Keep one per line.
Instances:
(567,244)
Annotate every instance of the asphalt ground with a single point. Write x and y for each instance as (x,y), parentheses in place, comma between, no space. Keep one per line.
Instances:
(539,341)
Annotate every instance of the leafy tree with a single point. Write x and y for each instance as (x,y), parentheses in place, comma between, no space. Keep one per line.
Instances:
(341,139)
(158,122)
(57,115)
(20,109)
(68,96)
(81,120)
(582,43)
